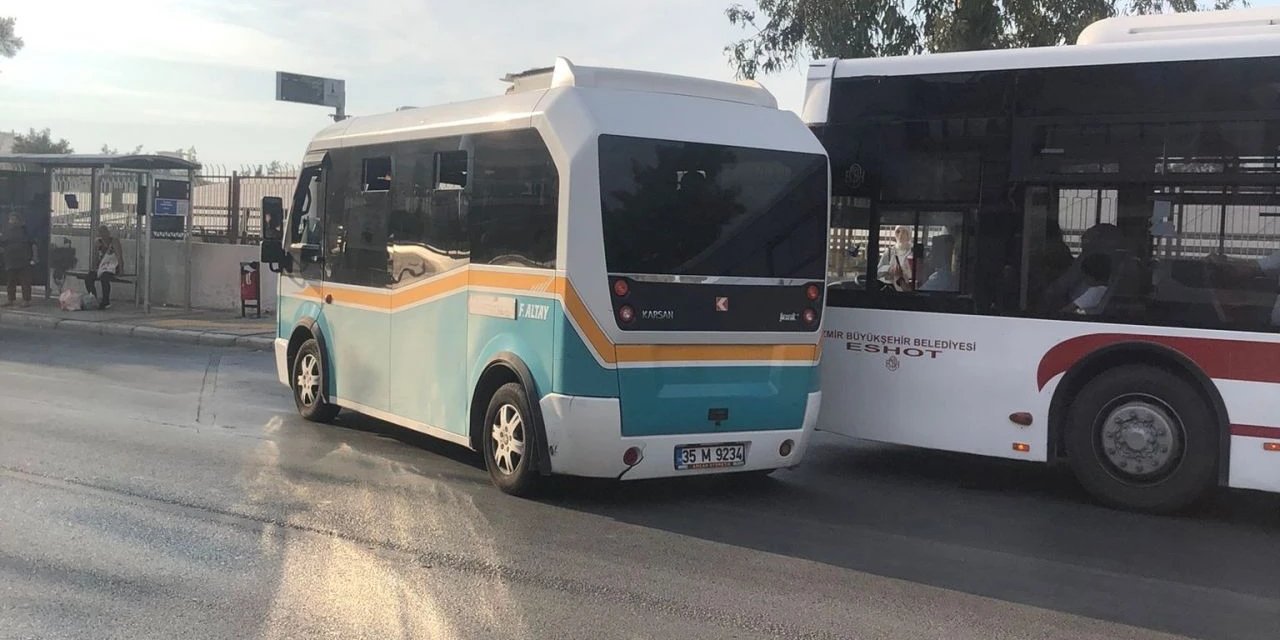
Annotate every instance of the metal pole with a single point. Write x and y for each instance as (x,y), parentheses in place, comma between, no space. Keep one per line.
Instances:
(48,236)
(233,208)
(137,240)
(191,202)
(95,201)
(146,227)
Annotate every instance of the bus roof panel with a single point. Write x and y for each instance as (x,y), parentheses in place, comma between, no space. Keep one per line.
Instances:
(1063,56)
(517,108)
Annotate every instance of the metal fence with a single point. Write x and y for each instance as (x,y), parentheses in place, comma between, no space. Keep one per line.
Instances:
(225,207)
(1196,230)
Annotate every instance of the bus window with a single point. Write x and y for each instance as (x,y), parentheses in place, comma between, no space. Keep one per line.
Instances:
(377,174)
(305,213)
(850,242)
(451,170)
(356,226)
(513,207)
(426,234)
(920,251)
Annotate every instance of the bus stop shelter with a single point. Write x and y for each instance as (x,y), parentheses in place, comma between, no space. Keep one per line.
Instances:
(48,188)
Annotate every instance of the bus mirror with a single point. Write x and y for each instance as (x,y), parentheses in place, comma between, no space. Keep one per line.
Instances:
(272,219)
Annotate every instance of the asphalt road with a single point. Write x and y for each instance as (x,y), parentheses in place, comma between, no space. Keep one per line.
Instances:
(151,490)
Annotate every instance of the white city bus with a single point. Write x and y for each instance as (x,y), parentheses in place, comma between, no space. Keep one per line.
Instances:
(1066,252)
(601,273)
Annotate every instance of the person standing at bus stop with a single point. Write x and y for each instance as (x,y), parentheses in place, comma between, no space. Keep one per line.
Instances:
(19,259)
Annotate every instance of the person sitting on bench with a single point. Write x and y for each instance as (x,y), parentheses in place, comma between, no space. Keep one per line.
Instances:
(104,266)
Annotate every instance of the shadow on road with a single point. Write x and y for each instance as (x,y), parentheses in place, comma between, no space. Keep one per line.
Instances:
(1005,529)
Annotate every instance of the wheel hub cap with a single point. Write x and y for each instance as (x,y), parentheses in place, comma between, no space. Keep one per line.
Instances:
(508,439)
(1139,439)
(308,379)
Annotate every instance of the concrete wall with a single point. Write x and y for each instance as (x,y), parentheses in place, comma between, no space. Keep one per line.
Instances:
(215,270)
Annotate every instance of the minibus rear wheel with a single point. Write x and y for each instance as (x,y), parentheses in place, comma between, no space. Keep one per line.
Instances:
(509,442)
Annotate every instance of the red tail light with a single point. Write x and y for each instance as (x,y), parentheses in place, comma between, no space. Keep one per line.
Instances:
(621,288)
(809,316)
(812,292)
(626,314)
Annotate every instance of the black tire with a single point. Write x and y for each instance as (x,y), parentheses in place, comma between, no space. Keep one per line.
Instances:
(509,441)
(1139,437)
(309,386)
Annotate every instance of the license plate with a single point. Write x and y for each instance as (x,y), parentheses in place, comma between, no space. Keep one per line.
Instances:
(711,456)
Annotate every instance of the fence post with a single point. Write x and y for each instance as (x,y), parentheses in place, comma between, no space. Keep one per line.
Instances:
(233,209)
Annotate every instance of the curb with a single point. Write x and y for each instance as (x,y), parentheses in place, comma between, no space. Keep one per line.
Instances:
(184,336)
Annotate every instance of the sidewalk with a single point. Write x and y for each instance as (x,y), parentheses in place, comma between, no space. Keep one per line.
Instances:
(215,328)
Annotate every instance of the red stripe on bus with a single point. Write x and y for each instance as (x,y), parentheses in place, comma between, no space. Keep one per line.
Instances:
(1254,431)
(1222,359)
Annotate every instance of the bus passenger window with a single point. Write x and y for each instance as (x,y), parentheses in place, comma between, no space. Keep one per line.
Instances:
(451,170)
(921,251)
(377,174)
(849,240)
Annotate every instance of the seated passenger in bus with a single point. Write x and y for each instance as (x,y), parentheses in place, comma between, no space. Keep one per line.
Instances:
(1102,239)
(896,265)
(941,256)
(1244,270)
(1091,296)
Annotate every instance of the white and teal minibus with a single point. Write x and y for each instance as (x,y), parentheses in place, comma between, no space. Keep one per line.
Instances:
(602,273)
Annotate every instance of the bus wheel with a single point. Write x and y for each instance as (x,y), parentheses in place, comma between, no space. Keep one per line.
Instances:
(1139,437)
(508,445)
(308,384)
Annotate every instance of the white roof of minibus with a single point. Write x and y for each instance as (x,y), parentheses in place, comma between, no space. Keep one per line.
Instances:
(1208,35)
(504,112)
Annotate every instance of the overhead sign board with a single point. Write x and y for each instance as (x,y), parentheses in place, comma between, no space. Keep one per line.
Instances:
(295,87)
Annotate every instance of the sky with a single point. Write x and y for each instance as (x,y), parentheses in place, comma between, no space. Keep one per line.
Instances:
(177,74)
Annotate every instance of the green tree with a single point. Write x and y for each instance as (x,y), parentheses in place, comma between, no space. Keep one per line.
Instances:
(40,142)
(786,31)
(10,43)
(109,150)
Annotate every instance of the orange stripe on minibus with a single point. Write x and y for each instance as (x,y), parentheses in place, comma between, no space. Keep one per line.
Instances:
(717,352)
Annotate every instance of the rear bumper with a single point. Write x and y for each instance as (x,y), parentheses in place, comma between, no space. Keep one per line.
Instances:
(584,436)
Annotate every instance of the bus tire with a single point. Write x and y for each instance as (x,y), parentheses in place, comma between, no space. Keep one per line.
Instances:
(509,442)
(308,383)
(1139,437)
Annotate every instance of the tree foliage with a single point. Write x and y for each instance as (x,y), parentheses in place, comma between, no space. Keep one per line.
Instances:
(786,31)
(10,43)
(40,142)
(109,150)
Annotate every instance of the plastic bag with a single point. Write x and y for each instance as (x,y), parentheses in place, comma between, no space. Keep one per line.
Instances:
(69,300)
(110,263)
(88,301)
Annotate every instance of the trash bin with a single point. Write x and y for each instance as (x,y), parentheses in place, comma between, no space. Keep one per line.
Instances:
(250,288)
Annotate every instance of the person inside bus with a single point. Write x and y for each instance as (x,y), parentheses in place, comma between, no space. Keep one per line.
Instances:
(941,256)
(1103,239)
(1244,270)
(1091,295)
(896,264)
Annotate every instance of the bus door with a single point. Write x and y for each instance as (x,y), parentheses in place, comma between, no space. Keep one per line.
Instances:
(356,303)
(912,261)
(301,285)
